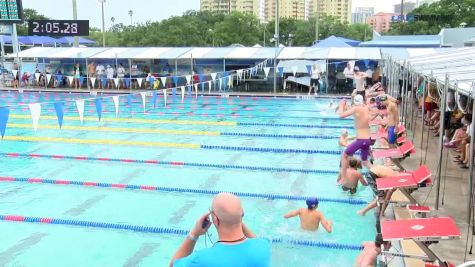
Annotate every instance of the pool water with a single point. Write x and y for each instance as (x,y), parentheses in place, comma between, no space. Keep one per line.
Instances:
(252,123)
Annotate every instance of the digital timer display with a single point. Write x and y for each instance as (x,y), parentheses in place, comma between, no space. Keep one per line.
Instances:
(11,11)
(58,27)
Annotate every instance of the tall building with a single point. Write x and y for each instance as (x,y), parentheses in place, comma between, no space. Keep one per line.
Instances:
(298,9)
(408,7)
(381,22)
(362,14)
(337,8)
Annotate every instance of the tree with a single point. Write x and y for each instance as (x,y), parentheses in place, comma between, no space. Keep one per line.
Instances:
(246,34)
(29,14)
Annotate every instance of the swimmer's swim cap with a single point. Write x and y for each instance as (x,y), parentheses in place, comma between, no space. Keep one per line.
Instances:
(358,100)
(381,98)
(344,131)
(312,202)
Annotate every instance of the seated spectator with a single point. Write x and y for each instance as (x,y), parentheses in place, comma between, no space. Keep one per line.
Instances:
(237,245)
(310,217)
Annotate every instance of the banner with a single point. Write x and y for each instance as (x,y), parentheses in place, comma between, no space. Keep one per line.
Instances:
(35,110)
(143,95)
(154,98)
(175,81)
(281,71)
(4,113)
(213,76)
(139,81)
(48,78)
(70,80)
(59,108)
(93,81)
(15,72)
(266,71)
(174,92)
(80,108)
(188,79)
(129,100)
(116,104)
(164,81)
(98,102)
(165,96)
(116,82)
(182,94)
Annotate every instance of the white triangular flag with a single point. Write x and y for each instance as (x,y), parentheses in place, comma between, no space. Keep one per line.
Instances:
(37,76)
(266,71)
(139,81)
(188,79)
(220,84)
(209,83)
(15,72)
(70,79)
(230,81)
(239,72)
(182,94)
(213,76)
(196,89)
(116,82)
(48,78)
(80,107)
(35,110)
(116,104)
(164,81)
(93,81)
(165,96)
(294,70)
(143,95)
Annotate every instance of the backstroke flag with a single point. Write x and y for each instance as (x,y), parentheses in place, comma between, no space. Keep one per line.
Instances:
(188,79)
(116,104)
(266,71)
(35,110)
(93,81)
(182,94)
(139,81)
(294,70)
(59,108)
(165,96)
(98,102)
(80,108)
(213,76)
(48,78)
(281,71)
(4,113)
(164,81)
(143,95)
(209,83)
(154,98)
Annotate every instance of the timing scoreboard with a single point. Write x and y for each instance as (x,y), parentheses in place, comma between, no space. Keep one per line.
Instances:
(11,11)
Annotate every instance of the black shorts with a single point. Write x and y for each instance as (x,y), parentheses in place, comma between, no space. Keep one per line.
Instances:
(352,190)
(371,178)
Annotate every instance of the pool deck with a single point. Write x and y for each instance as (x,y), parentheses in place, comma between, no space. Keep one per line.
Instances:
(456,195)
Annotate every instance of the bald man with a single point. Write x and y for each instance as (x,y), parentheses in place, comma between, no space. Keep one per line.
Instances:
(237,245)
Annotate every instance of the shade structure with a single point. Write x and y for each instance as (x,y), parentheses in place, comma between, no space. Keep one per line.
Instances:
(333,41)
(70,41)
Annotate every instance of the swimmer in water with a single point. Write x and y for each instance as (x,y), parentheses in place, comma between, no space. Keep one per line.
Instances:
(310,217)
(352,177)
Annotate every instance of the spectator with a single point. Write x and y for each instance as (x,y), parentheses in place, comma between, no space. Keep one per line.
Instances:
(369,76)
(237,245)
(100,73)
(77,70)
(314,80)
(348,72)
(91,71)
(16,75)
(121,73)
(110,77)
(310,217)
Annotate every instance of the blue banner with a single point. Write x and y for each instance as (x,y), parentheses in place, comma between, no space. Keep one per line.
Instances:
(309,69)
(281,71)
(59,107)
(174,92)
(104,82)
(201,77)
(154,98)
(59,78)
(129,100)
(4,113)
(175,81)
(127,82)
(366,63)
(189,90)
(99,107)
(81,80)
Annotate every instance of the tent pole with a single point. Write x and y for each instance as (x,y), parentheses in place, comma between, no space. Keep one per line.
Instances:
(443,106)
(422,116)
(87,75)
(470,156)
(413,103)
(130,74)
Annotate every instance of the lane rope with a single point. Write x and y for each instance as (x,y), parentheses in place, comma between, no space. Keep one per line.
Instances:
(180,190)
(163,230)
(173,163)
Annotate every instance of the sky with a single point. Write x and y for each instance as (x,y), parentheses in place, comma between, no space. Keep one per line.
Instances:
(143,9)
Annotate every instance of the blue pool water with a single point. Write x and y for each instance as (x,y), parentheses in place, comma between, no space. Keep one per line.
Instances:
(28,244)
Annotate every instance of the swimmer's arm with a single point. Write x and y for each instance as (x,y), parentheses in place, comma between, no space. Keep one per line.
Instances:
(327,225)
(344,114)
(362,180)
(292,214)
(247,232)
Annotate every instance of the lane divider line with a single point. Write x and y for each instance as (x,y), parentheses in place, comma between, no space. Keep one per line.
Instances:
(173,163)
(350,201)
(166,144)
(162,230)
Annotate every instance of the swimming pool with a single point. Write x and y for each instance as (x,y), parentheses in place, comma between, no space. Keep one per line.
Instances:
(171,159)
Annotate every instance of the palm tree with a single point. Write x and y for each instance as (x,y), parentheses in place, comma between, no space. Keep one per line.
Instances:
(131,13)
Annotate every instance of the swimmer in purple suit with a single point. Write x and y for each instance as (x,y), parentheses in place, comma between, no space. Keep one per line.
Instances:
(362,143)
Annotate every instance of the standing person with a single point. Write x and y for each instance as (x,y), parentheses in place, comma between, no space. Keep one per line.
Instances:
(360,78)
(77,75)
(110,77)
(237,245)
(100,72)
(16,75)
(369,77)
(314,80)
(310,217)
(392,118)
(121,73)
(348,72)
(361,114)
(91,71)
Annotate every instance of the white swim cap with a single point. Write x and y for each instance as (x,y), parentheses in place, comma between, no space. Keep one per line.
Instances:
(358,100)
